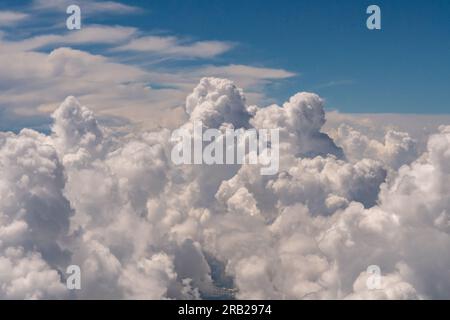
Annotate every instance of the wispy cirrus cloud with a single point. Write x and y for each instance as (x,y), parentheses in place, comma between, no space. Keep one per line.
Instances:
(88,7)
(119,71)
(11,17)
(334,83)
(176,47)
(94,34)
(245,75)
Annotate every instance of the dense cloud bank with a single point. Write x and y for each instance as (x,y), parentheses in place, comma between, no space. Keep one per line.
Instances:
(140,227)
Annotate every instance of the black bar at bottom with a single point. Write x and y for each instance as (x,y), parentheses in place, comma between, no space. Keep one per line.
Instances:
(220,309)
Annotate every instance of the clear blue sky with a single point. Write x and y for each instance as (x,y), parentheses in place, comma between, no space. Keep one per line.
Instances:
(405,67)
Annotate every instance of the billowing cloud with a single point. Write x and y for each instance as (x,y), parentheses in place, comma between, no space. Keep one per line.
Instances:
(217,101)
(141,227)
(398,147)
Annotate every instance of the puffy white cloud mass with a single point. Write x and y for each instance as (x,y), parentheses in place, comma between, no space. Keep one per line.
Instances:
(141,227)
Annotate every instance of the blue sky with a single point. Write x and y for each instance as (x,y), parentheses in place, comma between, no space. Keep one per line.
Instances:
(405,67)
(319,46)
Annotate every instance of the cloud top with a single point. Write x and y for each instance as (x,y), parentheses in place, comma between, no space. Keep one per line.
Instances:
(141,227)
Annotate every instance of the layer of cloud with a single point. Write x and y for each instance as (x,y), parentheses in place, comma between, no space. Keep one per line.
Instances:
(8,18)
(89,7)
(110,88)
(89,35)
(141,227)
(174,47)
(127,78)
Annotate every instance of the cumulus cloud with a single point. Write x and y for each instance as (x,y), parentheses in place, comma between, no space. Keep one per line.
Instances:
(141,227)
(34,217)
(300,121)
(216,101)
(397,149)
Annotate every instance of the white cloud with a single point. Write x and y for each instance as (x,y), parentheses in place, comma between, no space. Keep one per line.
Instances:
(300,119)
(397,149)
(375,125)
(135,86)
(92,34)
(109,87)
(173,47)
(112,202)
(247,71)
(246,76)
(27,276)
(216,101)
(87,6)
(8,18)
(140,227)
